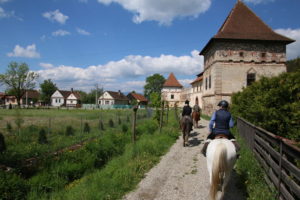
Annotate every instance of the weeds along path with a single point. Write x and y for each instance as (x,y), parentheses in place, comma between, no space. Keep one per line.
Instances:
(181,174)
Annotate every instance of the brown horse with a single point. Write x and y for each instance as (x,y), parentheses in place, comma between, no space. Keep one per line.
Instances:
(186,126)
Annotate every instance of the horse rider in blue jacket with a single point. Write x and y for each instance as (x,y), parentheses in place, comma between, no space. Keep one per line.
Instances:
(219,125)
(186,112)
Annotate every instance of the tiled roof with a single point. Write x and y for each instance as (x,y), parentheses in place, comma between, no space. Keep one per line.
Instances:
(139,97)
(198,79)
(244,24)
(117,95)
(65,93)
(172,81)
(34,94)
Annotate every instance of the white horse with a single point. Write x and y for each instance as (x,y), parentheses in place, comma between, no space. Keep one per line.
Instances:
(221,156)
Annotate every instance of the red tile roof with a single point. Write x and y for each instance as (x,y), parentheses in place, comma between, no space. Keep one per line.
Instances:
(65,93)
(198,79)
(33,94)
(244,24)
(139,97)
(117,95)
(172,81)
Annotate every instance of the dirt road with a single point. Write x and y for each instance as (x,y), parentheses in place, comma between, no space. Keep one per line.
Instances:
(181,174)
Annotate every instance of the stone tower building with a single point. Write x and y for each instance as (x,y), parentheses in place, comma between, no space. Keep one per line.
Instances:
(171,91)
(243,50)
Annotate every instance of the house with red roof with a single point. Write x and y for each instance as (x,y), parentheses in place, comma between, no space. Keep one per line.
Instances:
(172,91)
(139,98)
(111,98)
(65,98)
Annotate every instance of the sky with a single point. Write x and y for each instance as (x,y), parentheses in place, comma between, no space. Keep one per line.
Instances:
(118,43)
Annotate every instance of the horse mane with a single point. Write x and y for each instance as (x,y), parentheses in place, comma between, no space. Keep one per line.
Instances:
(219,167)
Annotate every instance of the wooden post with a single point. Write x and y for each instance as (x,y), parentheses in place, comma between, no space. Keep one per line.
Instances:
(135,108)
(161,116)
(167,116)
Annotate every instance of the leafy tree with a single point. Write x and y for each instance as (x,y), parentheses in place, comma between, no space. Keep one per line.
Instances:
(154,83)
(155,99)
(90,97)
(272,103)
(293,65)
(47,89)
(18,79)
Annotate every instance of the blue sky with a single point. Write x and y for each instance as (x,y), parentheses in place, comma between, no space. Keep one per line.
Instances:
(118,43)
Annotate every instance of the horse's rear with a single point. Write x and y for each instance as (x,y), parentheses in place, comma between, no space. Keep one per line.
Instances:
(221,156)
(186,127)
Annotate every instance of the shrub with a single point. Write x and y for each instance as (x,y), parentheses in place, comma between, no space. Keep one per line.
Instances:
(2,143)
(111,123)
(8,127)
(42,137)
(12,186)
(272,103)
(119,120)
(70,130)
(101,126)
(124,128)
(128,119)
(86,128)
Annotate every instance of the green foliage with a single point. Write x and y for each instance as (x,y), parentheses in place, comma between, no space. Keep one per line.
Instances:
(47,89)
(124,128)
(18,78)
(119,120)
(8,127)
(293,65)
(12,187)
(86,128)
(111,123)
(155,99)
(251,174)
(42,137)
(272,103)
(90,98)
(70,130)
(154,83)
(2,143)
(101,126)
(127,119)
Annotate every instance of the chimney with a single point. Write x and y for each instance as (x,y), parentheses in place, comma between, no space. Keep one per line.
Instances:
(119,92)
(72,90)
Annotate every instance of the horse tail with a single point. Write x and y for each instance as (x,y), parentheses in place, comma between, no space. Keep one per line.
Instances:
(219,167)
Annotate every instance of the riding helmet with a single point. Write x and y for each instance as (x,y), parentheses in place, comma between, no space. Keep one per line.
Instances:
(223,104)
(187,102)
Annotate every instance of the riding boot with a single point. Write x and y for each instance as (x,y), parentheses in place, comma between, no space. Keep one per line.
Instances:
(203,151)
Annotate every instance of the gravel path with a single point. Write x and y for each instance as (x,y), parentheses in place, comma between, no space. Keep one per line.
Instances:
(181,174)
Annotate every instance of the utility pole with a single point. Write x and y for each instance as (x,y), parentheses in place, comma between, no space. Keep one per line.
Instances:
(97,95)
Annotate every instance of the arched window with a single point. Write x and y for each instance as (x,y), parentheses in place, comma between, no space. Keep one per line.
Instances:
(250,78)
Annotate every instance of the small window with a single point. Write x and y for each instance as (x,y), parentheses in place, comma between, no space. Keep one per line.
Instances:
(209,82)
(263,55)
(206,83)
(241,54)
(172,96)
(250,78)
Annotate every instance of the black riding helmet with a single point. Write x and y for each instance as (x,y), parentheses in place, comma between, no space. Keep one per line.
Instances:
(223,104)
(187,102)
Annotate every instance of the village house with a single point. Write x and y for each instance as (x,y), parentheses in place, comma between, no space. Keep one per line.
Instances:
(140,99)
(30,98)
(65,98)
(196,90)
(172,91)
(2,99)
(112,98)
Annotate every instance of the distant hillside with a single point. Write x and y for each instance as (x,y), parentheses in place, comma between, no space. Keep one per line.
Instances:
(293,65)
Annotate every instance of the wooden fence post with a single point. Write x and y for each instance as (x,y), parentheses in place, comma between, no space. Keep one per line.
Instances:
(161,116)
(135,108)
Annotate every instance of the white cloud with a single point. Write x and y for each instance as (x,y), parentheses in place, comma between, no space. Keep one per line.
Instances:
(56,16)
(82,32)
(28,52)
(258,1)
(4,1)
(163,11)
(60,32)
(125,73)
(293,50)
(46,65)
(8,14)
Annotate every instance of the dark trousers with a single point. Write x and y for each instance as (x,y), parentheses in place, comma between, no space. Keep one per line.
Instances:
(213,135)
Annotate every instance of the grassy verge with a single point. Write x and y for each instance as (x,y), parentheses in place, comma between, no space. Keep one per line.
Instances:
(251,174)
(122,173)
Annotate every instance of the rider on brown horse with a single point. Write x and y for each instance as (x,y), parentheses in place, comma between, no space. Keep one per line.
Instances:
(219,125)
(186,112)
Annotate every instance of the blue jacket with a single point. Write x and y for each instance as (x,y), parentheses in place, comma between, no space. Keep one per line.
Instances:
(220,122)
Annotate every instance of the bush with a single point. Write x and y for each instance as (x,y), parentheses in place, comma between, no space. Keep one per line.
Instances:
(12,186)
(2,143)
(8,127)
(42,137)
(119,121)
(101,126)
(86,128)
(128,119)
(70,130)
(111,123)
(124,128)
(272,103)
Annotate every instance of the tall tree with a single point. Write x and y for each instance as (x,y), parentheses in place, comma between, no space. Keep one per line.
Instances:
(154,83)
(18,79)
(47,89)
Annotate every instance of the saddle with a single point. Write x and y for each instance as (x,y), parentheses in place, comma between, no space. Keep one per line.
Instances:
(221,136)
